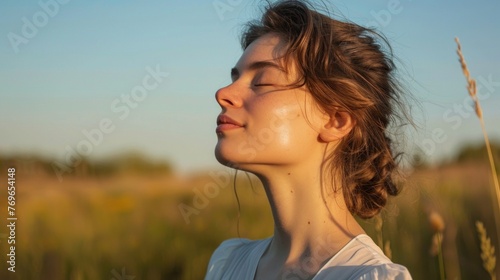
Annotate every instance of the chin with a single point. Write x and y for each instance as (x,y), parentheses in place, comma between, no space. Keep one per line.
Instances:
(220,158)
(232,159)
(223,157)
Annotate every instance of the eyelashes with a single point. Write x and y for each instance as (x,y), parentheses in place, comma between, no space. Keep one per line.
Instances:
(263,79)
(263,85)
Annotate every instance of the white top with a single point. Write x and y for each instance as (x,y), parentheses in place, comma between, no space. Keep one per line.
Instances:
(360,259)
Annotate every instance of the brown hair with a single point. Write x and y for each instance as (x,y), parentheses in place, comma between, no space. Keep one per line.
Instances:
(344,67)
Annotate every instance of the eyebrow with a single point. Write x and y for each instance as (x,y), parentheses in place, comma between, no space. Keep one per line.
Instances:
(256,65)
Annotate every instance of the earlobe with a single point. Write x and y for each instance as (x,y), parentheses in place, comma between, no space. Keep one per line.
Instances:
(338,125)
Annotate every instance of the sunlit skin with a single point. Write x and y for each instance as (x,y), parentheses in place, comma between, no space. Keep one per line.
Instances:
(283,137)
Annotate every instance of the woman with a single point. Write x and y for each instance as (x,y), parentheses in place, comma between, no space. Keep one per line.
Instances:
(307,112)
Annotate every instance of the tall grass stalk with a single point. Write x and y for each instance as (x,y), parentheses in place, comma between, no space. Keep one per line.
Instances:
(378,229)
(442,273)
(471,87)
(386,247)
(438,226)
(487,250)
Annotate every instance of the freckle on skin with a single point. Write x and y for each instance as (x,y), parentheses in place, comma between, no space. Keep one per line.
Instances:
(288,173)
(308,222)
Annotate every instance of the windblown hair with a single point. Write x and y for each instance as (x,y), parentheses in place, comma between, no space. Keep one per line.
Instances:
(345,68)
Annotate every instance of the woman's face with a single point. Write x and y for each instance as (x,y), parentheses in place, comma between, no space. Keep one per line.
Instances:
(262,122)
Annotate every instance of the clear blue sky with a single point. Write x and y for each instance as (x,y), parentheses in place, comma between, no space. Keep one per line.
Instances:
(63,67)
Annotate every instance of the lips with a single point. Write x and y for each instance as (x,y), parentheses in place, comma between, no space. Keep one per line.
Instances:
(225,123)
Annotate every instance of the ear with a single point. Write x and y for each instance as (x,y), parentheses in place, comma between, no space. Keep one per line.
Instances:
(337,125)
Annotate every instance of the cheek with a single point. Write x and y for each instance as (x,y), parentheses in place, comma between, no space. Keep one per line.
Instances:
(285,126)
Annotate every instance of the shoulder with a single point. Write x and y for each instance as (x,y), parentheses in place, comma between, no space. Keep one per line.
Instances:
(390,271)
(362,259)
(220,256)
(387,271)
(361,250)
(227,253)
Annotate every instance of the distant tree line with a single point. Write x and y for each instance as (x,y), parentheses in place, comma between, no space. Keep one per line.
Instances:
(467,153)
(129,163)
(472,152)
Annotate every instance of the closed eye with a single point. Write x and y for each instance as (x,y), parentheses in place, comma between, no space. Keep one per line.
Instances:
(263,85)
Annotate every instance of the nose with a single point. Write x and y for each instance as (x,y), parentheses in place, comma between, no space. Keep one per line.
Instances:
(228,97)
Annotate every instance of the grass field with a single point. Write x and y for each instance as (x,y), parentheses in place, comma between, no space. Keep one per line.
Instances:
(131,227)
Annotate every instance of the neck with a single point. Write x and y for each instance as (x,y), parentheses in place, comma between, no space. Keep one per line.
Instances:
(311,221)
